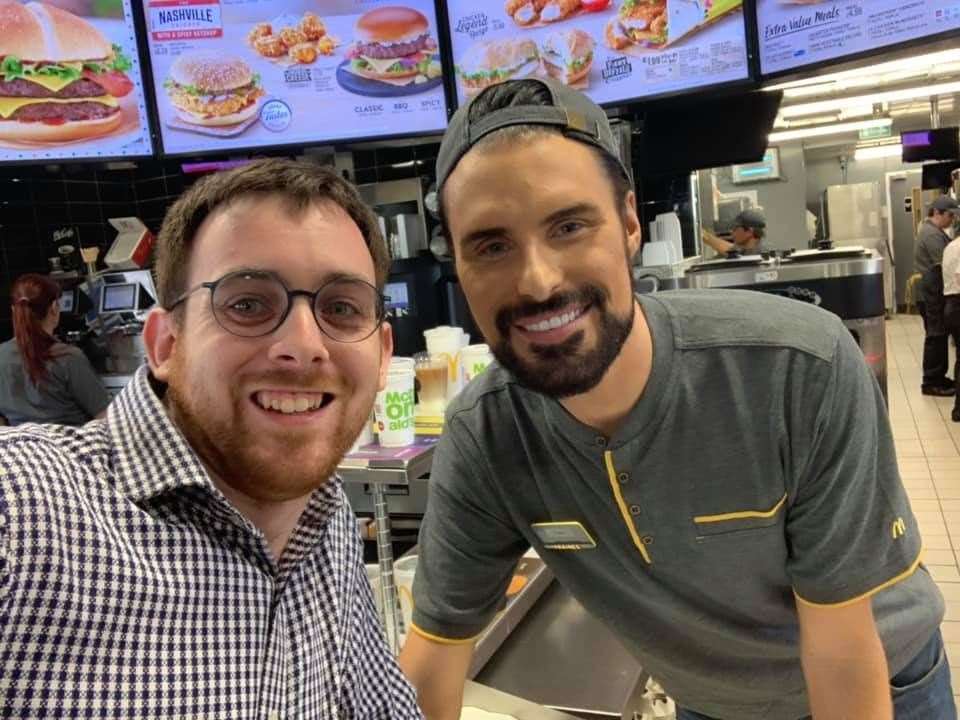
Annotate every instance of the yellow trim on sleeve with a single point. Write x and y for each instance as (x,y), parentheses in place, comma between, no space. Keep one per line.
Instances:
(618,496)
(893,581)
(442,640)
(759,514)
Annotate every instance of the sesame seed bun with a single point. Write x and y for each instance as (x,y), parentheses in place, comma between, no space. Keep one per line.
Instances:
(39,32)
(211,72)
(391,25)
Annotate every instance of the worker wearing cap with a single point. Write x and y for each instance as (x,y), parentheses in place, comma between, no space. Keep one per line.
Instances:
(749,229)
(932,240)
(763,578)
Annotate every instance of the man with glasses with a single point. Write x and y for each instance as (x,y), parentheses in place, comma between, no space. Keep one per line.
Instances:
(193,555)
(749,228)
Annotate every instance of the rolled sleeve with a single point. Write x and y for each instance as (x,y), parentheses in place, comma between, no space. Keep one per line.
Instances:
(850,530)
(468,547)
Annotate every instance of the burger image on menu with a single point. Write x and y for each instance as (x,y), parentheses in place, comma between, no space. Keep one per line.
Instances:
(60,78)
(568,56)
(213,90)
(489,62)
(393,43)
(639,22)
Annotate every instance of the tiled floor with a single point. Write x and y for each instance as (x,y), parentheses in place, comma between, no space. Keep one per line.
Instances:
(928,449)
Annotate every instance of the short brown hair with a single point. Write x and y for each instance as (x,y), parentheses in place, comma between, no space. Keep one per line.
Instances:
(300,184)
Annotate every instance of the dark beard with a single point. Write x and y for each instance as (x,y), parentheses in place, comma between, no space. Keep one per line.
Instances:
(564,370)
(229,451)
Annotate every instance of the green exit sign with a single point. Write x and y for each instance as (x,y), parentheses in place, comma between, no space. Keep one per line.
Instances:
(875,133)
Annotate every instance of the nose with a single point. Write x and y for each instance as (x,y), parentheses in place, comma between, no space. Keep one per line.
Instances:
(298,342)
(541,274)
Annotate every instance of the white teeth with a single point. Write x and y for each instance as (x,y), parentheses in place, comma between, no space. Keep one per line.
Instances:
(288,403)
(557,321)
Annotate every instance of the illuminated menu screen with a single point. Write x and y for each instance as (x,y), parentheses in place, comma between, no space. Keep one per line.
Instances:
(613,51)
(251,73)
(797,33)
(70,83)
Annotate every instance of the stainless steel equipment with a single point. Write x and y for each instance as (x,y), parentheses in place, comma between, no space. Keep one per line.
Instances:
(120,302)
(847,281)
(853,215)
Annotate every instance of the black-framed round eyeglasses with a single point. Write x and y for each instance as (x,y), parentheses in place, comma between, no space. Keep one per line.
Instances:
(254,303)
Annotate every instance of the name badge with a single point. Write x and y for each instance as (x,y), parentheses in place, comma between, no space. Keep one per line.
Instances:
(569,535)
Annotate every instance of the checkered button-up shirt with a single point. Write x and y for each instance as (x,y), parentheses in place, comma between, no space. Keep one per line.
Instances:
(130,588)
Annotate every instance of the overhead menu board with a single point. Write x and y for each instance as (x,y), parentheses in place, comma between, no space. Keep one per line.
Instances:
(251,73)
(797,33)
(613,51)
(70,85)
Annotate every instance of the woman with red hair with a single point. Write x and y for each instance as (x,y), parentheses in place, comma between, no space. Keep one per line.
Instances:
(41,379)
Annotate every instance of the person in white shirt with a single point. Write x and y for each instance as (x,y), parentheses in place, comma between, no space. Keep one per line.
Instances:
(951,310)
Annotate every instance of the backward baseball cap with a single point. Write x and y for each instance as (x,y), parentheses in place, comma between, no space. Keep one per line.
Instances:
(572,113)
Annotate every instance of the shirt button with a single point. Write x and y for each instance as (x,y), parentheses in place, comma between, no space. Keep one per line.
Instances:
(647,539)
(273,716)
(624,478)
(635,510)
(601,441)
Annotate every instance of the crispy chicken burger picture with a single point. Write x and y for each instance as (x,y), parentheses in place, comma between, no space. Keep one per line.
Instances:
(568,55)
(60,78)
(639,22)
(392,43)
(213,89)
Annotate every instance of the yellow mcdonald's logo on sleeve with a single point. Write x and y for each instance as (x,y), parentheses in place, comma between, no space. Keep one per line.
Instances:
(899,528)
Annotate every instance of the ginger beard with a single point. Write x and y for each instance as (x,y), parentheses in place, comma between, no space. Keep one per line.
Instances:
(565,369)
(284,466)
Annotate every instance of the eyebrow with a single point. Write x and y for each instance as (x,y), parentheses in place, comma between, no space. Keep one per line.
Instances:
(323,280)
(578,210)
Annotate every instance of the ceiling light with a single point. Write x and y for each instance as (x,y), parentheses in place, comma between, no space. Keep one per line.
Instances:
(874,152)
(821,130)
(821,83)
(923,91)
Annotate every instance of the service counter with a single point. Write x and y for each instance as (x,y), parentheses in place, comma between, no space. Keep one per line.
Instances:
(543,646)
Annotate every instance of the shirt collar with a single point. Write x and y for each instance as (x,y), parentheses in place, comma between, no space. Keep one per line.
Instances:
(150,455)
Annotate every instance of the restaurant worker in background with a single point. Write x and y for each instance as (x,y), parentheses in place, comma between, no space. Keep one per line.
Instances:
(749,229)
(766,572)
(951,312)
(193,555)
(43,380)
(932,240)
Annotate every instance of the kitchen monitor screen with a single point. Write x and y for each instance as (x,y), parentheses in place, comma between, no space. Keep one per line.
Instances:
(68,301)
(797,33)
(612,50)
(233,74)
(934,144)
(119,297)
(70,88)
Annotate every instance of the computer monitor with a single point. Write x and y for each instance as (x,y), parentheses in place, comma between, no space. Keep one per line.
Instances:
(933,144)
(119,298)
(68,301)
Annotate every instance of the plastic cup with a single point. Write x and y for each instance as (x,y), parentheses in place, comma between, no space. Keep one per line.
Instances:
(432,376)
(394,408)
(446,343)
(403,571)
(373,577)
(474,360)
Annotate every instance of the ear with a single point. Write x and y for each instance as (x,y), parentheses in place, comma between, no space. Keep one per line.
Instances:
(160,339)
(631,224)
(386,353)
